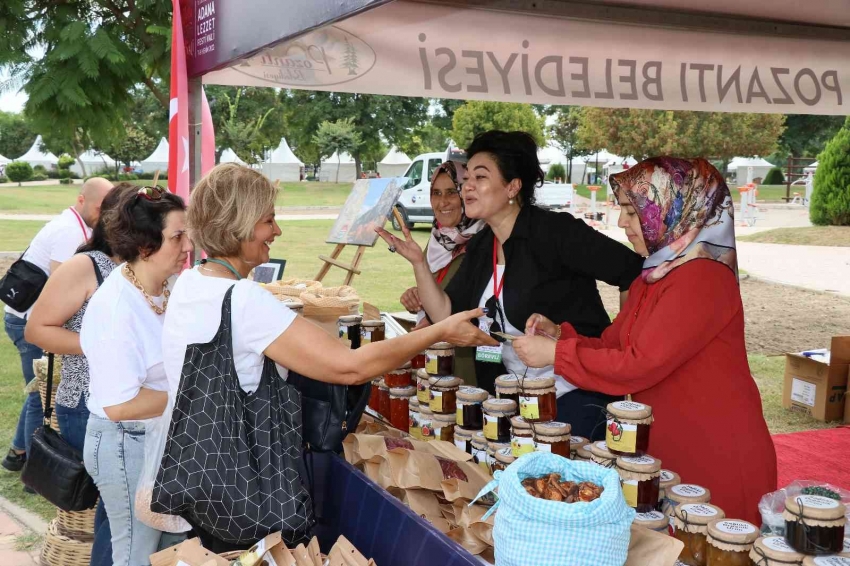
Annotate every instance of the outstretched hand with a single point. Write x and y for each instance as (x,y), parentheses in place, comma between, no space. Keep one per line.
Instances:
(406,248)
(459,330)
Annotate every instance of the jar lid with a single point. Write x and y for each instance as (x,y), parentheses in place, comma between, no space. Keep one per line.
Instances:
(774,548)
(472,395)
(688,493)
(826,561)
(350,319)
(540,382)
(373,323)
(645,464)
(583,451)
(408,391)
(629,410)
(505,456)
(403,369)
(423,375)
(815,507)
(733,531)
(600,450)
(479,440)
(382,384)
(700,514)
(464,433)
(377,381)
(669,479)
(577,441)
(653,520)
(502,407)
(507,380)
(444,419)
(447,382)
(441,346)
(519,423)
(496,446)
(425,409)
(551,428)
(413,403)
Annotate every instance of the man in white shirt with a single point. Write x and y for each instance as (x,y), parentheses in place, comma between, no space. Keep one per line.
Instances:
(54,244)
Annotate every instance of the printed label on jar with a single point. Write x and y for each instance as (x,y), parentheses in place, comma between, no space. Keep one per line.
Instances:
(667,475)
(431,364)
(422,392)
(735,527)
(491,427)
(818,501)
(699,509)
(630,492)
(459,415)
(651,516)
(521,445)
(426,432)
(688,490)
(529,408)
(831,561)
(461,444)
(640,460)
(436,401)
(480,458)
(366,338)
(542,447)
(778,544)
(628,406)
(620,436)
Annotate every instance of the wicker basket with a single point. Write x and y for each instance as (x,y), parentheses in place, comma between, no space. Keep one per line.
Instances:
(60,550)
(292,287)
(76,525)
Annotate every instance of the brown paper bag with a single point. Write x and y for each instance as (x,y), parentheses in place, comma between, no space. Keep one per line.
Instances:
(472,518)
(425,504)
(280,555)
(650,548)
(371,312)
(168,556)
(360,447)
(302,556)
(466,539)
(189,552)
(411,469)
(343,553)
(315,552)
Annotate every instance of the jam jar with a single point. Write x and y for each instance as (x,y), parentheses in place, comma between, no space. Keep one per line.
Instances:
(440,359)
(423,387)
(552,437)
(668,480)
(426,417)
(479,450)
(414,428)
(774,551)
(417,362)
(400,406)
(690,525)
(400,377)
(492,449)
(372,331)
(383,400)
(685,493)
(463,438)
(507,387)
(599,454)
(497,419)
(835,560)
(444,426)
(349,330)
(640,477)
(730,542)
(522,440)
(577,442)
(654,521)
(504,458)
(537,402)
(375,396)
(470,412)
(814,524)
(627,431)
(583,453)
(443,394)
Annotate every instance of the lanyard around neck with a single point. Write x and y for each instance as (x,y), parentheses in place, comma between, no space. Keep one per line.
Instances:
(80,221)
(497,284)
(223,264)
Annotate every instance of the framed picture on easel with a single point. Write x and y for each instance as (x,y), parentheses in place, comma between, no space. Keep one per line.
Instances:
(368,206)
(269,272)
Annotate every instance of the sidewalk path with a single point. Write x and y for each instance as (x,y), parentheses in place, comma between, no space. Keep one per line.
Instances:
(16,522)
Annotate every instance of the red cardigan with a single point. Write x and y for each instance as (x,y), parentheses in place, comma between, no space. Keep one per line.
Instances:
(678,346)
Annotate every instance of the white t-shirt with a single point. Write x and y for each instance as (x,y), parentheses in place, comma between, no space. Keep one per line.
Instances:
(121,338)
(194,315)
(57,241)
(509,358)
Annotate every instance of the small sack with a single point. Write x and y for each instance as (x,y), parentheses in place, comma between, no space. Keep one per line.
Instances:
(530,531)
(22,284)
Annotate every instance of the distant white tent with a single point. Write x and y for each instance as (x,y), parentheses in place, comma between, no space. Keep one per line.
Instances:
(4,160)
(741,165)
(94,162)
(283,164)
(158,160)
(37,157)
(344,164)
(394,163)
(229,156)
(810,169)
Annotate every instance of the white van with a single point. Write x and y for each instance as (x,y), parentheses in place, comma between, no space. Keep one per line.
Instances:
(415,200)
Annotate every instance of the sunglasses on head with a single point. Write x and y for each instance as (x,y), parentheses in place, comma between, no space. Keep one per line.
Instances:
(151,193)
(494,310)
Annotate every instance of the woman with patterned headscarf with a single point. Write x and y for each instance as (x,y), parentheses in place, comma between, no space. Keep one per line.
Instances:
(678,344)
(445,250)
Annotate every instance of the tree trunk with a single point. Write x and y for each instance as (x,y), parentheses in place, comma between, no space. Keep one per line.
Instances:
(76,149)
(358,167)
(338,163)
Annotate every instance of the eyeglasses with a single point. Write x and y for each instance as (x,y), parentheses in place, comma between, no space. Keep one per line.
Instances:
(152,193)
(494,308)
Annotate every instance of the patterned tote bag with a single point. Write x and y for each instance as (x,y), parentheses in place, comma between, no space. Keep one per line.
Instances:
(232,460)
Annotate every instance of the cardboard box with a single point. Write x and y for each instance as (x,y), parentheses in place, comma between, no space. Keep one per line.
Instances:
(817,388)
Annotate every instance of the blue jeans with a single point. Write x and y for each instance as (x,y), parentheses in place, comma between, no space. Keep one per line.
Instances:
(72,426)
(32,416)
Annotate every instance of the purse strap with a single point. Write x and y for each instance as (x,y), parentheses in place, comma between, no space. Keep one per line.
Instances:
(48,410)
(98,275)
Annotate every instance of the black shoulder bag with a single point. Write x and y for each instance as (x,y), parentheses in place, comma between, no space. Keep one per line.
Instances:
(22,284)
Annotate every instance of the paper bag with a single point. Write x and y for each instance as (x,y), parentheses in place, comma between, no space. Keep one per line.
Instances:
(360,447)
(471,517)
(466,539)
(410,469)
(187,553)
(343,553)
(651,548)
(425,504)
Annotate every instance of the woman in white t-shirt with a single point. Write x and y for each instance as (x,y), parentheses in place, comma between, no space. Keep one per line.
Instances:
(232,217)
(121,337)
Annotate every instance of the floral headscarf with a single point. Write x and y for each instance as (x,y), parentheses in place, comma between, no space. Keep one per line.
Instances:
(686,212)
(449,242)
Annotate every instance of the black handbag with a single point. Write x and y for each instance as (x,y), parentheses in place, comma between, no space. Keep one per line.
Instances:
(55,469)
(22,284)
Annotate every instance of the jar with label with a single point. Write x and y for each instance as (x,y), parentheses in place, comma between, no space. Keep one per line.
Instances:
(507,387)
(537,401)
(423,387)
(774,551)
(372,331)
(400,406)
(415,429)
(383,400)
(400,377)
(492,449)
(686,493)
(497,419)
(349,330)
(552,437)
(814,524)
(599,454)
(375,395)
(522,441)
(417,362)
(443,394)
(640,477)
(479,450)
(576,442)
(470,412)
(426,417)
(654,521)
(730,542)
(668,480)
(627,433)
(440,359)
(690,525)
(463,438)
(583,453)
(504,458)
(444,426)
(836,560)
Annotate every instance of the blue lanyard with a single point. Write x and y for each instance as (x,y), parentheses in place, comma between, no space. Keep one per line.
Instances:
(222,263)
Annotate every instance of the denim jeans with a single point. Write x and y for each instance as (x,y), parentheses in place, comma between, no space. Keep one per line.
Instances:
(31,416)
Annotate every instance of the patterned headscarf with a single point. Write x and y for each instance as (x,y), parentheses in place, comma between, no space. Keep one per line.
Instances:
(449,242)
(686,212)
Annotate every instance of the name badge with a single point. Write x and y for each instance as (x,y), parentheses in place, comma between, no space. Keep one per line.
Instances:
(491,354)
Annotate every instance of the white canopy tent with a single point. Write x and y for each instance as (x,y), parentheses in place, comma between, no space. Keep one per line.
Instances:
(338,169)
(37,157)
(4,159)
(740,166)
(158,160)
(394,163)
(229,156)
(283,164)
(811,168)
(94,161)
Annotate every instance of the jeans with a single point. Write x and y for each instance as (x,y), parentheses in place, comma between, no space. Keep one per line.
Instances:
(72,426)
(32,416)
(586,412)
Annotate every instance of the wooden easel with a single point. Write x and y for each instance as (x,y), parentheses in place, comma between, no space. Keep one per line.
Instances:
(352,268)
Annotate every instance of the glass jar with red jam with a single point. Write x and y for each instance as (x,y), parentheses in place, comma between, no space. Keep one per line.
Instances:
(414,428)
(349,330)
(507,387)
(690,525)
(426,424)
(522,439)
(463,438)
(814,524)
(537,401)
(599,454)
(497,419)
(400,406)
(444,426)
(685,493)
(640,478)
(552,437)
(443,394)
(417,362)
(375,396)
(372,331)
(504,458)
(730,542)
(492,449)
(400,377)
(774,551)
(440,360)
(383,400)
(423,387)
(668,480)
(470,410)
(479,451)
(654,521)
(627,431)
(577,442)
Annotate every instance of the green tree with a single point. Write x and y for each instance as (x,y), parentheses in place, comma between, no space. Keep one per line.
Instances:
(563,134)
(557,171)
(18,171)
(337,137)
(426,138)
(831,198)
(774,177)
(16,135)
(807,134)
(477,116)
(133,145)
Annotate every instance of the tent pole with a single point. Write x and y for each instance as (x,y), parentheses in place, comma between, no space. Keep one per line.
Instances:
(195,87)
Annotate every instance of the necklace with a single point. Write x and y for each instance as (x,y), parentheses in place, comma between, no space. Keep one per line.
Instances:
(131,275)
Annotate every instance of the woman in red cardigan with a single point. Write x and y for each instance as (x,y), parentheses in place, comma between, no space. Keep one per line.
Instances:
(678,344)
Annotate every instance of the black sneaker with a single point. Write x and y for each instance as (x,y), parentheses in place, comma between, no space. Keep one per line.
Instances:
(14,462)
(28,489)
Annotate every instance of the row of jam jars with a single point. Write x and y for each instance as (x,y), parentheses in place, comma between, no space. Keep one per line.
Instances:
(399,415)
(550,436)
(627,430)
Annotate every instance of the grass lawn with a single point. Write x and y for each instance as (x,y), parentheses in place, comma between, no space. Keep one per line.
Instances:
(16,235)
(770,193)
(810,236)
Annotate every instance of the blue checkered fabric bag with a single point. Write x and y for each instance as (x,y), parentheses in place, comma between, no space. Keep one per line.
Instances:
(535,532)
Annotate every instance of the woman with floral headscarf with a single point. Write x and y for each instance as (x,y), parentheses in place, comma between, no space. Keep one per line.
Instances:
(445,250)
(678,344)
